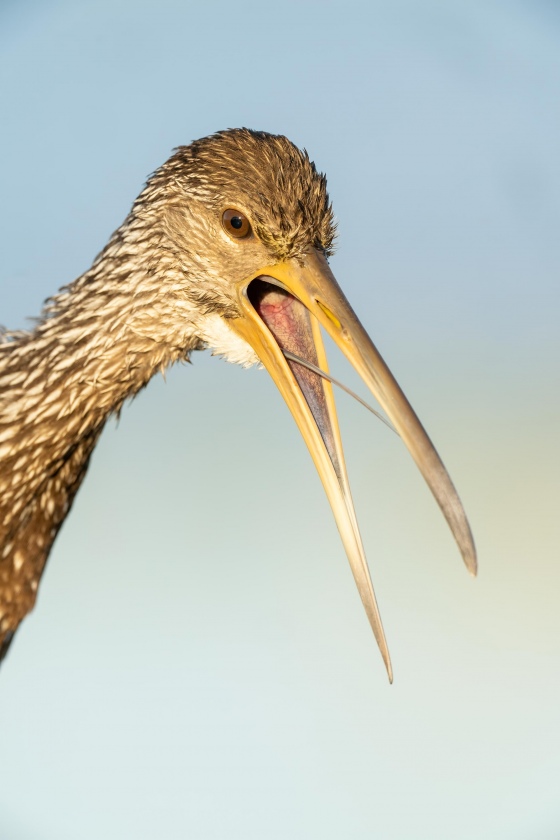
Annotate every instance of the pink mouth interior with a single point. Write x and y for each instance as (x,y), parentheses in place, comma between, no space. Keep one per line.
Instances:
(290,323)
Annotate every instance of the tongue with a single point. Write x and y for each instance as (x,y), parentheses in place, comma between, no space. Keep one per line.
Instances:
(290,323)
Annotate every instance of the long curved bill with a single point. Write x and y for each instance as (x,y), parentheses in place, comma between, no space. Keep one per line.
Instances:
(283,307)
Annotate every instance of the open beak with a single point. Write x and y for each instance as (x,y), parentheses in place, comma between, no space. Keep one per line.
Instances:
(283,307)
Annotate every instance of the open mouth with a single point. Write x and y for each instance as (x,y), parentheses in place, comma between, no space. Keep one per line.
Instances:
(294,334)
(290,324)
(283,309)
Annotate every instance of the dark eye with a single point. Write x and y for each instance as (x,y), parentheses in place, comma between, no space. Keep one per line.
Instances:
(236,224)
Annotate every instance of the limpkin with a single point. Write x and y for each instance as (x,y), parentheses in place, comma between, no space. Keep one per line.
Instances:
(226,248)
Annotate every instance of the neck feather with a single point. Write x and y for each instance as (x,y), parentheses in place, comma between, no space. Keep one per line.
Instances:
(98,343)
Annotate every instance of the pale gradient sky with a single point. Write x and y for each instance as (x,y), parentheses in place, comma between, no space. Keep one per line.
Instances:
(199,665)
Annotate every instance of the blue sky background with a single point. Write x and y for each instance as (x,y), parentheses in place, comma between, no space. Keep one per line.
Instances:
(199,665)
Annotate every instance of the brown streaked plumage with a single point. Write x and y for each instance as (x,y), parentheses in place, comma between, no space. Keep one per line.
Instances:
(174,279)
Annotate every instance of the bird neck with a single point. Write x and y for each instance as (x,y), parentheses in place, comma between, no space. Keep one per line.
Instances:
(99,341)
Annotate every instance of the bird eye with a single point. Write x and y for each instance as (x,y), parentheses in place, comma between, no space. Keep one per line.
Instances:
(236,224)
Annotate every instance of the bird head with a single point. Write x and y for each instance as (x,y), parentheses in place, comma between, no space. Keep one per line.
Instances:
(244,230)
